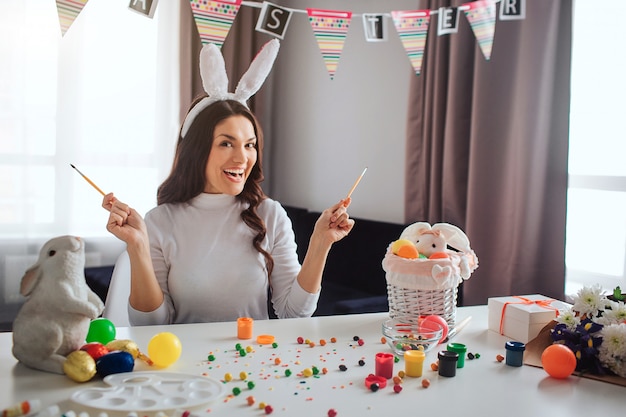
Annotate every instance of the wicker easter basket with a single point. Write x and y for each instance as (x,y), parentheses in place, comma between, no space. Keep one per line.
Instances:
(420,287)
(411,295)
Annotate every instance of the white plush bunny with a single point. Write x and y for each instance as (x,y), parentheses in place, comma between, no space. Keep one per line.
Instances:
(55,317)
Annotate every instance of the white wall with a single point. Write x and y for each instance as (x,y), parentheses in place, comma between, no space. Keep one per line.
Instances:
(327,131)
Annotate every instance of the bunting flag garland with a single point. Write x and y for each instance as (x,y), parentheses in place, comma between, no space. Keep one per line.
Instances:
(214,19)
(481,16)
(330,28)
(68,10)
(412,27)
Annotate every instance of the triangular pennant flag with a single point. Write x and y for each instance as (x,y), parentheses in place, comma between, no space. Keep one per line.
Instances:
(330,28)
(214,19)
(412,27)
(482,18)
(68,11)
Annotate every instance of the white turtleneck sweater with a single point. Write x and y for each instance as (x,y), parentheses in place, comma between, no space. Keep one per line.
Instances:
(208,269)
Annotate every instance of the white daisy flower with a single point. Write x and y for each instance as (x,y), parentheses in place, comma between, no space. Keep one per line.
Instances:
(614,313)
(589,301)
(612,351)
(568,317)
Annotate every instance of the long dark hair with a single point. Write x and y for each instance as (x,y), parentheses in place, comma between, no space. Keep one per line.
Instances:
(187,178)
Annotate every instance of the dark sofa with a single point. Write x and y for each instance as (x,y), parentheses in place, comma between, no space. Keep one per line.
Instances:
(354,281)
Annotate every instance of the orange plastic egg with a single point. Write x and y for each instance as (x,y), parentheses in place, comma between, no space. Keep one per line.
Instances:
(558,361)
(439,255)
(408,251)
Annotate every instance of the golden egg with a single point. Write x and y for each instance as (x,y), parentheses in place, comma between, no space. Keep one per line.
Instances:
(125,345)
(79,366)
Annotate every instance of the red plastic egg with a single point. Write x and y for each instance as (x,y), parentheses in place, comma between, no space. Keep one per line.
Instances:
(95,349)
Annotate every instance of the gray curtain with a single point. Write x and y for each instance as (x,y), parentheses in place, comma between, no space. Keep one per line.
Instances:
(487,145)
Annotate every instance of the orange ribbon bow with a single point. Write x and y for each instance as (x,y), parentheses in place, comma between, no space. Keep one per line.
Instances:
(526,301)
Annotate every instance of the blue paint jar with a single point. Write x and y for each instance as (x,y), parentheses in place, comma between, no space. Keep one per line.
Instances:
(514,353)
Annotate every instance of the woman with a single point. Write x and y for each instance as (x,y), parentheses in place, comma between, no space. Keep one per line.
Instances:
(215,244)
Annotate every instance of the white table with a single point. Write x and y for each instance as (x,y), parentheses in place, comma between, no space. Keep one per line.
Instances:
(484,387)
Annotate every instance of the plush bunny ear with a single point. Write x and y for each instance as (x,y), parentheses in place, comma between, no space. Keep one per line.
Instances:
(30,280)
(414,231)
(259,69)
(215,79)
(213,72)
(454,236)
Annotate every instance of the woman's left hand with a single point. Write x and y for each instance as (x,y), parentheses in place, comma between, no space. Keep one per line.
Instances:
(334,223)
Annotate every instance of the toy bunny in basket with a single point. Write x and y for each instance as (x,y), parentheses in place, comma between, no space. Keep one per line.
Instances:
(424,267)
(59,307)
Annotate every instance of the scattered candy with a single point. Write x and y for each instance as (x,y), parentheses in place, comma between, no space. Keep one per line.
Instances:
(343,368)
(324,371)
(499,358)
(277,361)
(322,342)
(242,352)
(361,362)
(356,338)
(262,405)
(477,355)
(248,349)
(287,372)
(311,344)
(332,413)
(374,387)
(243,375)
(333,340)
(383,340)
(238,346)
(228,377)
(401,374)
(307,372)
(300,340)
(315,370)
(274,345)
(95,349)
(397,380)
(250,400)
(435,366)
(425,383)
(251,384)
(268,409)
(361,342)
(236,391)
(397,388)
(470,356)
(211,358)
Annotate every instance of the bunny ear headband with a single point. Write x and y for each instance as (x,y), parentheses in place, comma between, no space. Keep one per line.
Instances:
(215,79)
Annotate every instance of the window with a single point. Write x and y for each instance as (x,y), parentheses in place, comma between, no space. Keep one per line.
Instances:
(596,209)
(88,98)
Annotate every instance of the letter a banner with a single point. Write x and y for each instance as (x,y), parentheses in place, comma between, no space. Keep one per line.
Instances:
(330,28)
(481,16)
(214,19)
(68,12)
(412,27)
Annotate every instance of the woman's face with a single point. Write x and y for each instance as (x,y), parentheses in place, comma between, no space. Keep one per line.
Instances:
(233,154)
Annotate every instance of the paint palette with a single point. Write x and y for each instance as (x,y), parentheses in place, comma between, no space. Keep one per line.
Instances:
(151,391)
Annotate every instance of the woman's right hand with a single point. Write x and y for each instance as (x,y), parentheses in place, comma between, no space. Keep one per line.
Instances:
(124,222)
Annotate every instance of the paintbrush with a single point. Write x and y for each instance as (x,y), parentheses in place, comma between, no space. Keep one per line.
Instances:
(88,180)
(356,183)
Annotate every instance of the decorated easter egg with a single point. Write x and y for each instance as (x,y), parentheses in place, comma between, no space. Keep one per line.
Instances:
(433,318)
(79,366)
(558,361)
(100,330)
(95,349)
(115,362)
(164,349)
(404,248)
(125,345)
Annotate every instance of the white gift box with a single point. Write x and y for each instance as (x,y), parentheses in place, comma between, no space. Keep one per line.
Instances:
(524,315)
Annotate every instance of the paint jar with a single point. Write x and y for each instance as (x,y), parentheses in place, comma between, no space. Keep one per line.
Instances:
(244,327)
(414,362)
(514,353)
(384,365)
(447,363)
(461,349)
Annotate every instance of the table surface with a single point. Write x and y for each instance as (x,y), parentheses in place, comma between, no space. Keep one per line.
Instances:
(483,386)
